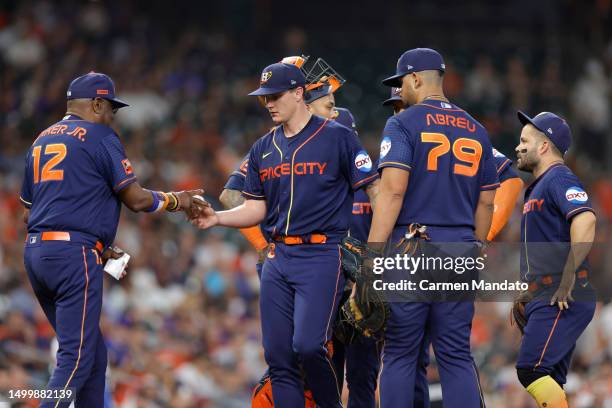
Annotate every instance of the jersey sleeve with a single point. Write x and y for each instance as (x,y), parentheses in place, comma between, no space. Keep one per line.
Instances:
(25,196)
(488,175)
(253,186)
(503,165)
(236,179)
(113,164)
(569,196)
(396,146)
(358,166)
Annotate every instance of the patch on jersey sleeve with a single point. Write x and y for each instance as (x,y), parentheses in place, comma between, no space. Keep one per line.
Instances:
(363,161)
(385,146)
(244,166)
(576,195)
(127,167)
(497,153)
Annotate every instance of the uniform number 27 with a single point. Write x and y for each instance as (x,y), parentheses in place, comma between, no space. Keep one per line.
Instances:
(58,150)
(468,151)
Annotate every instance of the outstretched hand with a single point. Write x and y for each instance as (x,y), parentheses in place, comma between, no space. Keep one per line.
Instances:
(205,219)
(192,202)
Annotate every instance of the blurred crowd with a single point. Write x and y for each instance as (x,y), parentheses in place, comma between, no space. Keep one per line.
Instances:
(182,328)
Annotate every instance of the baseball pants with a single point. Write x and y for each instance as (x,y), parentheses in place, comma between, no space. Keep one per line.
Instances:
(550,337)
(301,286)
(67,280)
(448,325)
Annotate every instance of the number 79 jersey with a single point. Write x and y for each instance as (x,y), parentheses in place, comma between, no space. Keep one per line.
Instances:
(73,172)
(450,160)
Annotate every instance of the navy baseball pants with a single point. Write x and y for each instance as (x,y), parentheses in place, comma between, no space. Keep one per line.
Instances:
(448,325)
(550,337)
(301,286)
(67,280)
(362,358)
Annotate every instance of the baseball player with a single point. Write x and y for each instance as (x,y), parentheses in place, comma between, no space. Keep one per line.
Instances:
(76,177)
(432,154)
(299,182)
(421,386)
(505,200)
(557,229)
(362,356)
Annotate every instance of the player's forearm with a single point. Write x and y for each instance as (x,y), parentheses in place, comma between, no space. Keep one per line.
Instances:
(372,190)
(484,214)
(248,214)
(582,233)
(389,205)
(505,200)
(231,198)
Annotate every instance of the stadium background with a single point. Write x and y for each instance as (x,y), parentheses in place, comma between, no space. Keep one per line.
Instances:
(182,328)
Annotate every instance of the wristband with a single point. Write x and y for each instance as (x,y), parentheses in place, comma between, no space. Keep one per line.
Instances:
(174,203)
(160,201)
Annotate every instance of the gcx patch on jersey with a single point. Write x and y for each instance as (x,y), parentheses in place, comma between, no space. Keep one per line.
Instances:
(576,195)
(385,146)
(363,161)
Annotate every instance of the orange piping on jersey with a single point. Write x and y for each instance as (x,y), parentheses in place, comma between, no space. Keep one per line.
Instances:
(579,208)
(381,165)
(82,325)
(253,195)
(489,185)
(292,165)
(500,168)
(124,181)
(365,180)
(548,340)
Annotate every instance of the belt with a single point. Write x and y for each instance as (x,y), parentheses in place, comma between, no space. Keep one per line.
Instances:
(298,239)
(547,280)
(63,236)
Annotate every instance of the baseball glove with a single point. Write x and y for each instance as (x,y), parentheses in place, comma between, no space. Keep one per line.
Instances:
(366,310)
(518,316)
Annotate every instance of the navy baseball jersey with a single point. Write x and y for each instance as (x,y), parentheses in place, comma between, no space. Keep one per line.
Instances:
(308,180)
(504,166)
(345,118)
(450,160)
(236,179)
(361,218)
(73,173)
(550,203)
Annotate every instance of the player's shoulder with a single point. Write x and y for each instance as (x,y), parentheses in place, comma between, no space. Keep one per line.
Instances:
(561,173)
(345,118)
(264,141)
(332,126)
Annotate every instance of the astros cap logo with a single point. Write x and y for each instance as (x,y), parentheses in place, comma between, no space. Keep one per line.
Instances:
(265,77)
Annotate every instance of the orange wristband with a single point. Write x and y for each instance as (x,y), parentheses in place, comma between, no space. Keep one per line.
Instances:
(255,237)
(505,200)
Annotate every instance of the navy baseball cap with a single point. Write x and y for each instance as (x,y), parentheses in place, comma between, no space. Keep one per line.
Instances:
(415,60)
(553,126)
(94,85)
(279,77)
(395,96)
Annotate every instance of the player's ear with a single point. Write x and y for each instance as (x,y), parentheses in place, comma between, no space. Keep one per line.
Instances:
(97,105)
(299,93)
